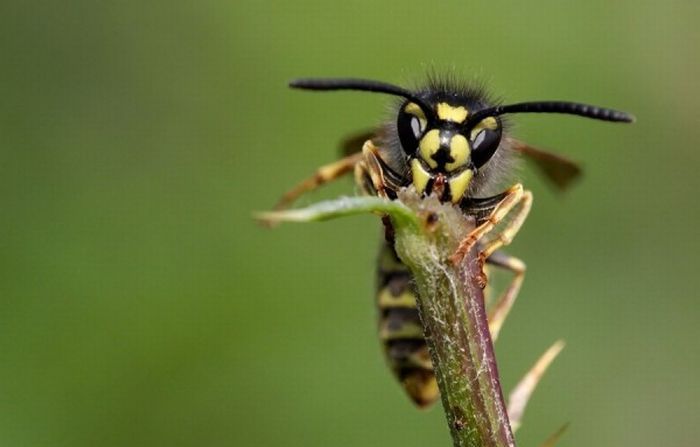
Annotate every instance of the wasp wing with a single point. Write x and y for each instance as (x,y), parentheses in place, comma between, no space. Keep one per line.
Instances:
(561,171)
(353,142)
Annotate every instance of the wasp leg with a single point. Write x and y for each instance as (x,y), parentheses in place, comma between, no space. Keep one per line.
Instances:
(363,179)
(502,306)
(515,199)
(518,398)
(371,167)
(324,174)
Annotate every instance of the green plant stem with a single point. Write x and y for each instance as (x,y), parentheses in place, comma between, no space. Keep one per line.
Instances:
(451,306)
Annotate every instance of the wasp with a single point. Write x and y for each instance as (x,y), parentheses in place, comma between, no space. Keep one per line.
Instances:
(450,140)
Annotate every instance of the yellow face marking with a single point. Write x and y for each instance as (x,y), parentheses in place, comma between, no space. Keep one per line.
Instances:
(414,110)
(487,123)
(459,184)
(429,145)
(448,113)
(420,176)
(459,151)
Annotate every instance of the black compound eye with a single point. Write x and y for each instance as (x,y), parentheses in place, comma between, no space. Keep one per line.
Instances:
(485,138)
(411,125)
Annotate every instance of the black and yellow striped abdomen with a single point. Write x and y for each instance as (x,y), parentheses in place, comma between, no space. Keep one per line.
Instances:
(400,330)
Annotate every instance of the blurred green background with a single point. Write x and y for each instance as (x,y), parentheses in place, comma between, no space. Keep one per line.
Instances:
(140,305)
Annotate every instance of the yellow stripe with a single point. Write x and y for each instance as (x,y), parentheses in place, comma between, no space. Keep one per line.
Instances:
(459,184)
(421,358)
(429,144)
(408,330)
(387,301)
(413,109)
(389,263)
(448,113)
(459,151)
(487,123)
(422,387)
(420,176)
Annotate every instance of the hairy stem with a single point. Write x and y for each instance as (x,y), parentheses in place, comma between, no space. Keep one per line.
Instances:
(451,306)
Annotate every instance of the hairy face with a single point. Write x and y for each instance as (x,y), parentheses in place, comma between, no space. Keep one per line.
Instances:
(444,148)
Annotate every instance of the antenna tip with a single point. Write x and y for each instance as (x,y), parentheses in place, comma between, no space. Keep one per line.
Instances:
(613,115)
(621,117)
(317,84)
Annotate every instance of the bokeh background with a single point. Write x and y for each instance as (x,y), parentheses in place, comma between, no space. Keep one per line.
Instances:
(140,305)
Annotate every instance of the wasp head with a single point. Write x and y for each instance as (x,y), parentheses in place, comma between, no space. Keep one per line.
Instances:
(445,148)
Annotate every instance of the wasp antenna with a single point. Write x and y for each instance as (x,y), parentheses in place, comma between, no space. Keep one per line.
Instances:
(564,107)
(366,85)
